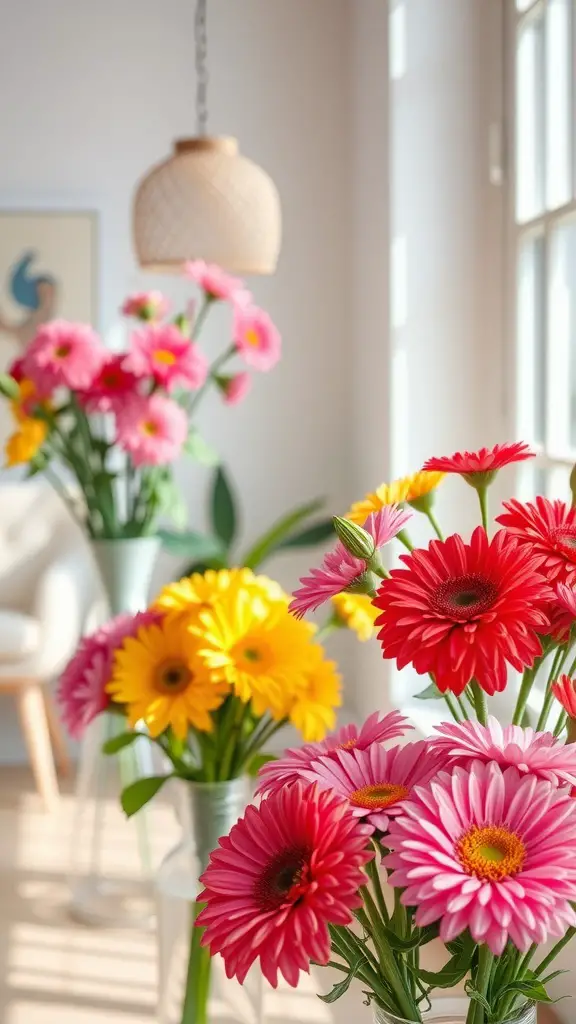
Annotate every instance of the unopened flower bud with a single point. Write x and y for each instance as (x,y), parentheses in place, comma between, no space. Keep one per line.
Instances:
(9,387)
(573,486)
(355,538)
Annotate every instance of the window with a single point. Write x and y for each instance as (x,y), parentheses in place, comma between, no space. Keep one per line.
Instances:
(543,43)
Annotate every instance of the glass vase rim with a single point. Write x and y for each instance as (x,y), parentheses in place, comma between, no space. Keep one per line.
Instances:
(521,1016)
(127,540)
(217,784)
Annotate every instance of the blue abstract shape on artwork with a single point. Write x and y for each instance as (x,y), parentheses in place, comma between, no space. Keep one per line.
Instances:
(23,286)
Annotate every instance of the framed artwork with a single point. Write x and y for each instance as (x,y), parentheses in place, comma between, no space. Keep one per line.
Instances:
(48,270)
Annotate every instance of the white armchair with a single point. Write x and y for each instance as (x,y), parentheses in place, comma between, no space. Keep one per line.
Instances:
(48,595)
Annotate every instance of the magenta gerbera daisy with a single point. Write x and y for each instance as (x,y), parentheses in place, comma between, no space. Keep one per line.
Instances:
(550,528)
(151,428)
(162,352)
(463,611)
(217,284)
(340,570)
(285,872)
(484,463)
(376,781)
(112,386)
(536,753)
(489,850)
(64,354)
(288,769)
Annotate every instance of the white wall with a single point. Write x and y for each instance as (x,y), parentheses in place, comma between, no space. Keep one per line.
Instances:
(91,94)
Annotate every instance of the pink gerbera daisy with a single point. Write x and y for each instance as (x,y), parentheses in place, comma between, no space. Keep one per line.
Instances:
(537,753)
(285,872)
(340,570)
(288,769)
(235,388)
(561,612)
(483,464)
(64,354)
(489,850)
(463,611)
(82,687)
(215,282)
(162,352)
(110,387)
(564,689)
(147,306)
(256,338)
(550,529)
(376,781)
(152,428)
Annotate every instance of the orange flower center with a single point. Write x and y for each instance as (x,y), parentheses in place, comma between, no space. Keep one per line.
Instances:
(284,880)
(252,337)
(253,657)
(172,676)
(164,356)
(382,794)
(491,852)
(149,427)
(61,351)
(465,597)
(349,745)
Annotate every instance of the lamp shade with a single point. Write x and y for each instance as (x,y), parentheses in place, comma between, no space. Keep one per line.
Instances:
(208,202)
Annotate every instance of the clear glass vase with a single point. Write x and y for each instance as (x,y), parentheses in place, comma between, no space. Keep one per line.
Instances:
(111,869)
(208,811)
(453,1011)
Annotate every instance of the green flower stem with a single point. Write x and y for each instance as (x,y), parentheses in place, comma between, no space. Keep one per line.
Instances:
(212,373)
(195,1009)
(525,688)
(452,707)
(434,523)
(404,539)
(332,625)
(374,876)
(463,709)
(225,768)
(257,740)
(202,314)
(561,723)
(480,702)
(542,967)
(557,664)
(482,490)
(405,1003)
(482,980)
(351,948)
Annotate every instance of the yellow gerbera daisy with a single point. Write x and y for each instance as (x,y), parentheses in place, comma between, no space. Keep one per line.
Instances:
(357,612)
(160,677)
(408,488)
(26,442)
(251,641)
(192,594)
(313,709)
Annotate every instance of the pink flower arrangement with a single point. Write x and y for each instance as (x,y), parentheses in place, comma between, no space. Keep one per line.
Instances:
(215,282)
(82,691)
(152,429)
(161,351)
(64,354)
(149,306)
(256,338)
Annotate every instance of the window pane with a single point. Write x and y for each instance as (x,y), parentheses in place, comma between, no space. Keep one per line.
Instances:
(531,369)
(523,5)
(558,89)
(530,119)
(562,339)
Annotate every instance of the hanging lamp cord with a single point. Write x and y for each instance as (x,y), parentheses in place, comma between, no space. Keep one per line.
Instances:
(201,44)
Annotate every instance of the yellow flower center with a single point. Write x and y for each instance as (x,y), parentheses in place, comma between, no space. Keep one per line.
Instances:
(252,658)
(172,676)
(252,337)
(149,428)
(349,745)
(491,852)
(61,351)
(382,794)
(163,355)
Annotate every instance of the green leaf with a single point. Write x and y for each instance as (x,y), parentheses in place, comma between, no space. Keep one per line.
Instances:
(430,693)
(474,994)
(342,986)
(279,532)
(139,793)
(125,739)
(37,464)
(311,536)
(9,387)
(257,762)
(200,450)
(420,937)
(532,988)
(223,508)
(453,971)
(190,544)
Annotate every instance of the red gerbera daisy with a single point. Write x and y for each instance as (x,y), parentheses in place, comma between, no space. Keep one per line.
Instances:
(462,611)
(550,529)
(287,870)
(483,465)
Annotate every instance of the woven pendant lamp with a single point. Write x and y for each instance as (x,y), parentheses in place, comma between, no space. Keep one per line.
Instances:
(207,201)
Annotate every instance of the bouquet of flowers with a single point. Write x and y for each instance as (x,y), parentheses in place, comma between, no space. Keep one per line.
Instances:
(118,421)
(361,853)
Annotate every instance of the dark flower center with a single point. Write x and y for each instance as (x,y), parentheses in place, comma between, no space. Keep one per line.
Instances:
(464,597)
(284,879)
(172,676)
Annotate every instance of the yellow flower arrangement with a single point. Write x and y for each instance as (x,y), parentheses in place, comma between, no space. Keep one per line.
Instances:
(357,612)
(409,489)
(192,594)
(26,441)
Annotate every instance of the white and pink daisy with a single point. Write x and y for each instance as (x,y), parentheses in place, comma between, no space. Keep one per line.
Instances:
(340,570)
(162,352)
(64,354)
(215,282)
(112,386)
(148,306)
(235,388)
(256,337)
(152,429)
(377,728)
(534,753)
(489,850)
(376,781)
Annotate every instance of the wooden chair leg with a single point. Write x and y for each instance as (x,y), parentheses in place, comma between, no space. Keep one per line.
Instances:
(34,722)
(59,747)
